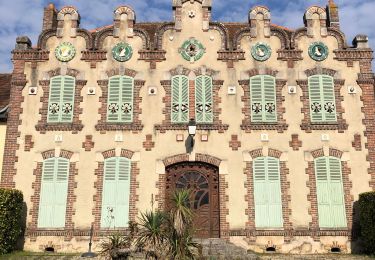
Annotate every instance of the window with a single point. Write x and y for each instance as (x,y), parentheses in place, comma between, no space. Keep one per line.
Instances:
(203,99)
(116,192)
(330,192)
(180,99)
(53,194)
(267,193)
(61,99)
(120,99)
(322,98)
(263,99)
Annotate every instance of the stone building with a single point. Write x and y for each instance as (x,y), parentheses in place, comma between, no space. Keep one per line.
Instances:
(284,144)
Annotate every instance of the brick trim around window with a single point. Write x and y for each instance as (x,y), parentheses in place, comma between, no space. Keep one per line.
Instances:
(167,99)
(98,186)
(316,232)
(281,125)
(306,124)
(76,125)
(135,126)
(32,229)
(251,231)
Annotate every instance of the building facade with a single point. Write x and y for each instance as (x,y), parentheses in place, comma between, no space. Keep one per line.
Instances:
(4,109)
(98,127)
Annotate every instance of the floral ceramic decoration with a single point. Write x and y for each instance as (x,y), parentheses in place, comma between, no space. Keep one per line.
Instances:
(192,50)
(65,52)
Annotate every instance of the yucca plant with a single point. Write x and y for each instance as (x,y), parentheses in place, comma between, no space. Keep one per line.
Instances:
(180,213)
(113,244)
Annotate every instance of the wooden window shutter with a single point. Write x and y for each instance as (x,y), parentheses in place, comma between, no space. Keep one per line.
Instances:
(267,193)
(127,89)
(322,99)
(203,99)
(180,99)
(67,99)
(330,193)
(54,104)
(116,193)
(54,192)
(114,98)
(263,99)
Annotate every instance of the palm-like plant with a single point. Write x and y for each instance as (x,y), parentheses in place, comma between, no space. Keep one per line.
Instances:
(181,214)
(152,235)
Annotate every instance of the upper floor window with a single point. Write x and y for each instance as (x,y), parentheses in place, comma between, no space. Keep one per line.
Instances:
(267,193)
(330,192)
(61,99)
(203,99)
(120,99)
(322,99)
(180,99)
(54,193)
(263,99)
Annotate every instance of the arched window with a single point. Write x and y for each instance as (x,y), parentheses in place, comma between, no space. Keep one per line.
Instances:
(203,99)
(61,99)
(116,193)
(267,193)
(322,98)
(330,192)
(180,99)
(54,192)
(263,99)
(120,99)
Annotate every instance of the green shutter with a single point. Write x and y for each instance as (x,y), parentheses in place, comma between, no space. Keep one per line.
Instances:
(114,97)
(180,99)
(322,99)
(330,193)
(203,99)
(126,108)
(67,99)
(53,194)
(54,104)
(116,193)
(267,193)
(263,99)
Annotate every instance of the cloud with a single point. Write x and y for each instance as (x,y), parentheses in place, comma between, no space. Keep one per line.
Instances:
(24,17)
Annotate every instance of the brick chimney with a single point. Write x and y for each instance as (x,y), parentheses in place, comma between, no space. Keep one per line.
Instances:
(333,19)
(50,17)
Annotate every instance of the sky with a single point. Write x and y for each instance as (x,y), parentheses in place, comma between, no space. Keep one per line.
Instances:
(24,17)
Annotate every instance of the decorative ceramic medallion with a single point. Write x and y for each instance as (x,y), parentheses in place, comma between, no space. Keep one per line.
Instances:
(261,51)
(122,52)
(318,51)
(65,51)
(192,50)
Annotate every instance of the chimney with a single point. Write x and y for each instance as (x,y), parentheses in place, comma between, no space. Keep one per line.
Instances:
(333,19)
(50,17)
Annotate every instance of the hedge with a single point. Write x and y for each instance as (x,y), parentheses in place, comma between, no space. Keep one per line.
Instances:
(11,203)
(367,220)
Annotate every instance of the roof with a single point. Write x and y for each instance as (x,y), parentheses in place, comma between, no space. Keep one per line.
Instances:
(4,93)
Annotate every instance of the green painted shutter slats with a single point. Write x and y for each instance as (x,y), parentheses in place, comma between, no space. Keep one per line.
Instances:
(322,99)
(267,193)
(116,193)
(120,99)
(61,99)
(203,99)
(263,99)
(180,99)
(330,193)
(54,192)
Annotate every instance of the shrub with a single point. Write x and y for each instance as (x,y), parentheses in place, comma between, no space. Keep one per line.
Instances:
(367,220)
(11,203)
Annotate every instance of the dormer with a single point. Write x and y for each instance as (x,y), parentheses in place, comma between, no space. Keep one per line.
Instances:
(124,20)
(67,21)
(186,11)
(260,22)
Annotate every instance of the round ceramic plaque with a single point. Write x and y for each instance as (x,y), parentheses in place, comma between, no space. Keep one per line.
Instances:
(65,51)
(122,52)
(318,51)
(192,50)
(261,51)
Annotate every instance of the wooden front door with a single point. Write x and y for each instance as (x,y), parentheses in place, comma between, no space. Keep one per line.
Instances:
(203,182)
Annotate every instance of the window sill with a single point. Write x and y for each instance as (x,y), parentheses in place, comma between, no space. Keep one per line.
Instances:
(341,127)
(279,127)
(75,128)
(215,127)
(119,127)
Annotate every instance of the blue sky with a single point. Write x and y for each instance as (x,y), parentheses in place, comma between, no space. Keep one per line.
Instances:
(24,17)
